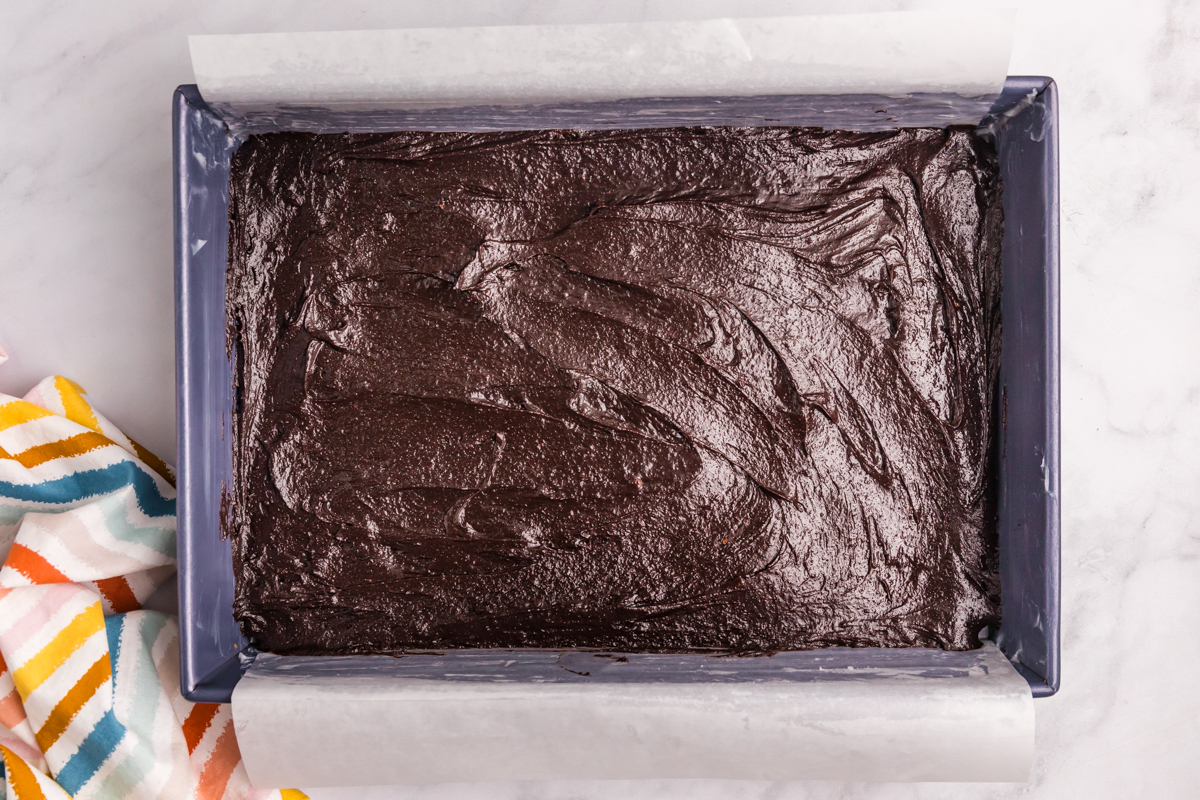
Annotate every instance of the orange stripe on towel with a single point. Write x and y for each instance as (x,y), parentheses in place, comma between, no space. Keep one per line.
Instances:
(66,709)
(197,723)
(153,462)
(20,777)
(225,757)
(12,712)
(75,445)
(32,565)
(118,594)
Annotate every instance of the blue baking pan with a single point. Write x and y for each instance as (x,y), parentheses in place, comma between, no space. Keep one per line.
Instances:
(1024,122)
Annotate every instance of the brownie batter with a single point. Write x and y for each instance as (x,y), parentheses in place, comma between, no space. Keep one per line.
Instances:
(691,389)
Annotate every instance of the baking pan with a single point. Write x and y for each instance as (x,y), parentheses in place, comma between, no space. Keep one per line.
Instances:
(1023,122)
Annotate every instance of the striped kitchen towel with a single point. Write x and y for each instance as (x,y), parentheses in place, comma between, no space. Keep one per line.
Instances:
(89,682)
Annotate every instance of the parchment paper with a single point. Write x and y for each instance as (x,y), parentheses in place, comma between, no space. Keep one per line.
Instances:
(959,58)
(875,715)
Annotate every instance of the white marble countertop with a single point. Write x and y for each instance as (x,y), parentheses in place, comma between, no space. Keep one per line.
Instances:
(86,291)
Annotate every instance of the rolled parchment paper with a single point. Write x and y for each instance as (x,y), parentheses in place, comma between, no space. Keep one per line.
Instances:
(958,56)
(866,715)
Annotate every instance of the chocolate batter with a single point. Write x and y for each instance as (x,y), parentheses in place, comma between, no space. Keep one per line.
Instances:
(662,390)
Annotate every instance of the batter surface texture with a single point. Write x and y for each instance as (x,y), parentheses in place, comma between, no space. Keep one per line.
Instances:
(660,390)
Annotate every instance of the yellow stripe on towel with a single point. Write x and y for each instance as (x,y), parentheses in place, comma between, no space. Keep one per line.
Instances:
(77,408)
(19,411)
(34,672)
